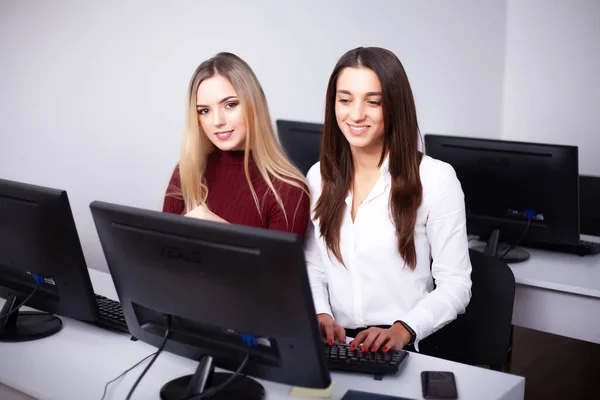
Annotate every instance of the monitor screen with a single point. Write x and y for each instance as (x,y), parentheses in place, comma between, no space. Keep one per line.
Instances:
(513,186)
(301,142)
(38,238)
(215,285)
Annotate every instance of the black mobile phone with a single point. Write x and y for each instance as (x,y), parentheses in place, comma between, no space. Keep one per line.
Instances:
(438,385)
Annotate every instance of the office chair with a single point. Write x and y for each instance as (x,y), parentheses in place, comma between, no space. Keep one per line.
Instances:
(301,141)
(483,334)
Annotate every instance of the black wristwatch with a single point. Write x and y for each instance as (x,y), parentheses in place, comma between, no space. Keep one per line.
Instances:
(413,335)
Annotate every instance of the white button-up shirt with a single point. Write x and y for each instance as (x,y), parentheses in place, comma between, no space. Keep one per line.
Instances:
(375,287)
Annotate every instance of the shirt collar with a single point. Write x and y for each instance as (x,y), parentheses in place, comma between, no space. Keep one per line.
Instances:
(377,189)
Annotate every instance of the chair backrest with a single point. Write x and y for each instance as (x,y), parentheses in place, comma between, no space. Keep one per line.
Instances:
(301,142)
(481,335)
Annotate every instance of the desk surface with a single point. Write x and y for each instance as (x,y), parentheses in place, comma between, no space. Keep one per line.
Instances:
(563,272)
(559,271)
(78,361)
(558,293)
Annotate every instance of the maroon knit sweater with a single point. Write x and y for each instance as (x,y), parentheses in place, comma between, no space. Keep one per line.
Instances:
(229,196)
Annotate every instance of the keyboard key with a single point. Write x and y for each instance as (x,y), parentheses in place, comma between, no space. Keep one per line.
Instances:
(365,362)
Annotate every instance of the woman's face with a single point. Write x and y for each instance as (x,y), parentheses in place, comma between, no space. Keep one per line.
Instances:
(220,114)
(358,108)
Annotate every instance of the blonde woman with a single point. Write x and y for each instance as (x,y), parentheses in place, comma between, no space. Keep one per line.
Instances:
(232,168)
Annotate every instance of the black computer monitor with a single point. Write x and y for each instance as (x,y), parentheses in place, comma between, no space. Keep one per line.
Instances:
(589,203)
(301,142)
(214,286)
(523,193)
(38,239)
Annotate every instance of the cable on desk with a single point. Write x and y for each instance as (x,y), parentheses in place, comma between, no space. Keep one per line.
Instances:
(123,373)
(160,349)
(518,240)
(212,391)
(16,309)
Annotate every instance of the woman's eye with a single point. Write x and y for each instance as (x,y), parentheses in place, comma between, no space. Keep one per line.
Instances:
(231,105)
(203,111)
(344,101)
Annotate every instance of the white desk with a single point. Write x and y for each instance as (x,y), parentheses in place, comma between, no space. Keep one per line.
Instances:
(78,361)
(559,293)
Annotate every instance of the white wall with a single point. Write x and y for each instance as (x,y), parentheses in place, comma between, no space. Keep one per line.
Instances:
(552,82)
(92,93)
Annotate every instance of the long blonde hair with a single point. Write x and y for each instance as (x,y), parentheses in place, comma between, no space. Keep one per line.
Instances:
(267,153)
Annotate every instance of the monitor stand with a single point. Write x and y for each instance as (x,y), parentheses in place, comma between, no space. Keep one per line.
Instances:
(205,378)
(497,249)
(26,325)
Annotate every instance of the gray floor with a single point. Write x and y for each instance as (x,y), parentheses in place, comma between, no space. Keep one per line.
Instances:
(556,367)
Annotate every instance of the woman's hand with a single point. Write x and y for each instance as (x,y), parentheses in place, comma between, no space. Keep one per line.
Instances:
(202,212)
(373,338)
(331,330)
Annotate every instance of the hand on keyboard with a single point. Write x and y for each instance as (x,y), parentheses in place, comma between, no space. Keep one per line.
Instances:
(373,339)
(331,330)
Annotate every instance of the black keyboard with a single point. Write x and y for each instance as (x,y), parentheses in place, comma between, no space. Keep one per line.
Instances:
(589,248)
(341,358)
(584,248)
(111,314)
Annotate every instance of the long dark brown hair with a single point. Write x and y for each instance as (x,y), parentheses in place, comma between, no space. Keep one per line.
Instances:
(401,144)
